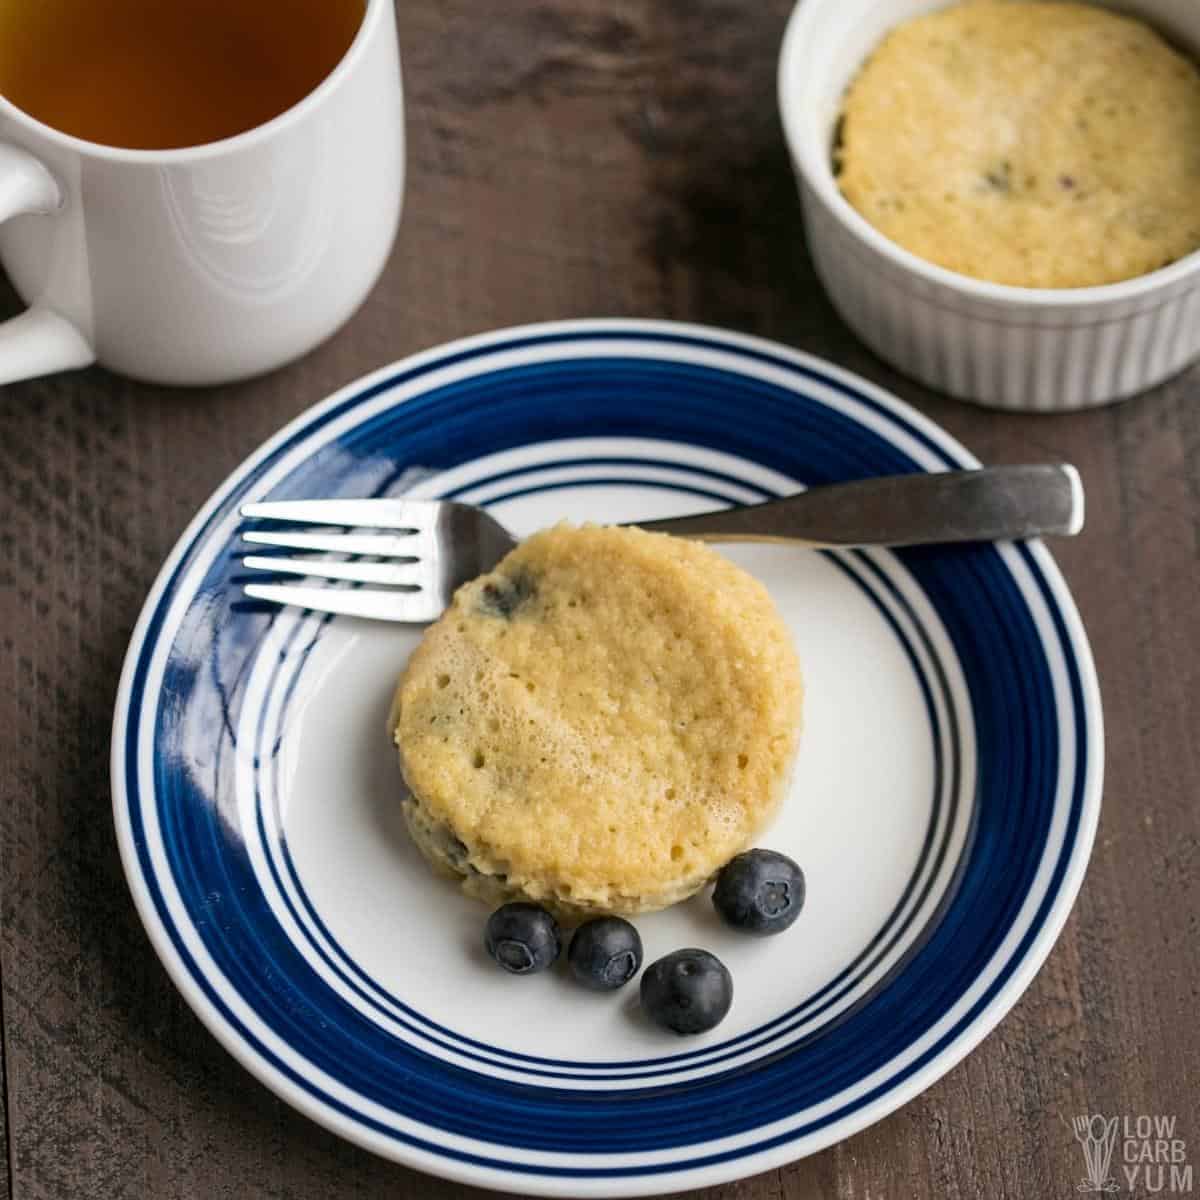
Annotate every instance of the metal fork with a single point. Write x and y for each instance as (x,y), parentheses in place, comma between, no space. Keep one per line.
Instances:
(431,547)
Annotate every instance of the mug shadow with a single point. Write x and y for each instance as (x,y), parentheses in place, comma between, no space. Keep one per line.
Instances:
(721,225)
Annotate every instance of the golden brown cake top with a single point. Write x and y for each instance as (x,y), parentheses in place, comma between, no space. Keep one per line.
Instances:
(1034,144)
(605,719)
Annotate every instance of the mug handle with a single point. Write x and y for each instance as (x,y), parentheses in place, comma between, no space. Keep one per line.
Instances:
(38,341)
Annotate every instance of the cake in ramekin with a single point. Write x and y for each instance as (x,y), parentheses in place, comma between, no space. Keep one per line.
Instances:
(1051,145)
(1042,349)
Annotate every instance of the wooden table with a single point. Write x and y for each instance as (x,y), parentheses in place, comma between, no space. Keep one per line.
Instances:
(571,158)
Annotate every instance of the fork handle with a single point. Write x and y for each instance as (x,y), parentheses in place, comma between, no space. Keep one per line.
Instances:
(990,504)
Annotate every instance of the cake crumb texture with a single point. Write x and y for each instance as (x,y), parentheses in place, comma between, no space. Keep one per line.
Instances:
(1047,145)
(600,723)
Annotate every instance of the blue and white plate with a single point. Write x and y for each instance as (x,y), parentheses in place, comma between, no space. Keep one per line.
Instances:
(944,802)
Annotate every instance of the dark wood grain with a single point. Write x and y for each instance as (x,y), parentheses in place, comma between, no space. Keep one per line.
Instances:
(566,158)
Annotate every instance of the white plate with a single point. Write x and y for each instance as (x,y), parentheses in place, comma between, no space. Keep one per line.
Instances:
(943,808)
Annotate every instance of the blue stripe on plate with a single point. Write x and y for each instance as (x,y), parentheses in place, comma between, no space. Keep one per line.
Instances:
(717,477)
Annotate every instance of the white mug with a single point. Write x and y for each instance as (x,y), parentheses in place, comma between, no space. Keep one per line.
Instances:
(211,263)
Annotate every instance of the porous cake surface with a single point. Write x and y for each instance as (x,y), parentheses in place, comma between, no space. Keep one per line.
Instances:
(600,723)
(1046,145)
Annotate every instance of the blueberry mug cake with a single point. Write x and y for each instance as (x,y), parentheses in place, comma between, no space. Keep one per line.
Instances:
(599,724)
(1048,145)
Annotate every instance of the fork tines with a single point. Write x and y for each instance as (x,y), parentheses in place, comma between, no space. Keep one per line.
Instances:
(410,525)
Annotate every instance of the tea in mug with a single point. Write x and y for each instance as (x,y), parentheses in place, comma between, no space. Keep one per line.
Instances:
(164,74)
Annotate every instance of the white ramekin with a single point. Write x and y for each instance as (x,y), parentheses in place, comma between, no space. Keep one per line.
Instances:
(1051,350)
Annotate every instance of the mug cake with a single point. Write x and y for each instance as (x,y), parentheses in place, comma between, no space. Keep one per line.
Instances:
(599,724)
(1076,301)
(1048,145)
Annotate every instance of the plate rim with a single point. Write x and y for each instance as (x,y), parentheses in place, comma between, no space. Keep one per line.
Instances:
(1090,765)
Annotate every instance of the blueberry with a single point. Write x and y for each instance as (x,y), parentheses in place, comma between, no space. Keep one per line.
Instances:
(523,938)
(688,991)
(605,953)
(502,596)
(759,892)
